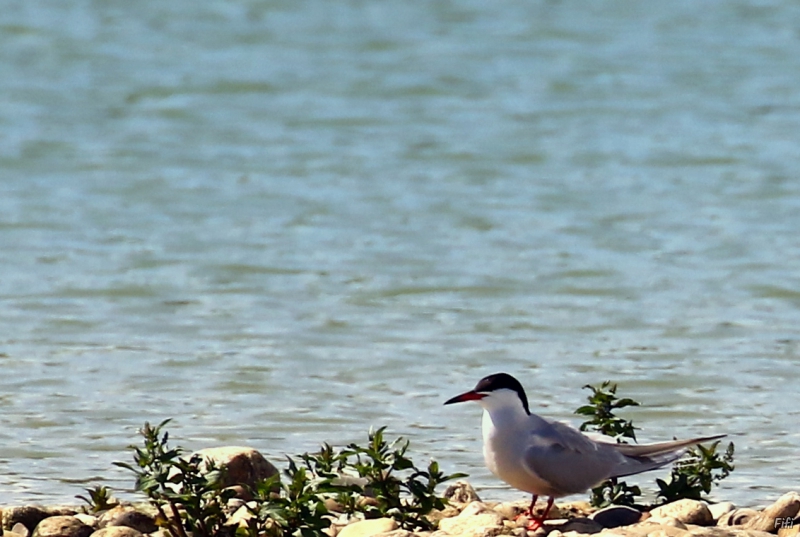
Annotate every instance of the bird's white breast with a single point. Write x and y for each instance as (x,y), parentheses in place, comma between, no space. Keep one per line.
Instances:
(506,436)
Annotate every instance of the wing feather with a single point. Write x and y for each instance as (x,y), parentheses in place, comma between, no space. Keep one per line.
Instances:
(570,462)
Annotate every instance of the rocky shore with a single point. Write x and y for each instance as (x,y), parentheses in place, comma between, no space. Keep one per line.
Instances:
(465,516)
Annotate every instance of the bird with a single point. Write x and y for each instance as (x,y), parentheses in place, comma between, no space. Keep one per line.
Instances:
(550,458)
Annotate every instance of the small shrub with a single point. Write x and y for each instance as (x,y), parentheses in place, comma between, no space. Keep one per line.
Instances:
(187,493)
(695,475)
(298,509)
(191,501)
(100,499)
(380,465)
(603,401)
(613,492)
(691,477)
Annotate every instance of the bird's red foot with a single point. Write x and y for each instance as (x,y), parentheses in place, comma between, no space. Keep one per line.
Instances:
(534,524)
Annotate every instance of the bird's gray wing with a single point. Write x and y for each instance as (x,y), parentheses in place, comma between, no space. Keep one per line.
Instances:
(569,461)
(662,448)
(643,457)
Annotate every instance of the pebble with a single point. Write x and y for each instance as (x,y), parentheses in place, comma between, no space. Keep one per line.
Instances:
(18,529)
(615,516)
(718,510)
(30,516)
(368,528)
(461,492)
(667,521)
(737,517)
(89,520)
(473,518)
(62,526)
(117,531)
(687,511)
(126,515)
(481,524)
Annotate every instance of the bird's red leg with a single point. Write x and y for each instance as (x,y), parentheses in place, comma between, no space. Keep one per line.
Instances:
(529,512)
(533,504)
(537,522)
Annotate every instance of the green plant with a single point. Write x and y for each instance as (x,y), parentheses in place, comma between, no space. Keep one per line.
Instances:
(603,401)
(373,481)
(690,478)
(187,493)
(298,509)
(407,498)
(613,492)
(100,499)
(694,476)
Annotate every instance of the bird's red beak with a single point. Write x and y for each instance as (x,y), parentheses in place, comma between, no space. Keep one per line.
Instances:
(471,395)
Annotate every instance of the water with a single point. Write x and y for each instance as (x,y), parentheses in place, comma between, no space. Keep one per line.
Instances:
(283,222)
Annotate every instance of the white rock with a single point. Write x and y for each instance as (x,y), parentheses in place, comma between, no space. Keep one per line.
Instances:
(719,509)
(667,521)
(687,511)
(475,508)
(481,524)
(771,518)
(368,528)
(737,517)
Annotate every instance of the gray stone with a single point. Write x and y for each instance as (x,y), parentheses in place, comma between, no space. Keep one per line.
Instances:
(615,516)
(117,531)
(687,511)
(127,516)
(29,516)
(62,526)
(243,465)
(461,492)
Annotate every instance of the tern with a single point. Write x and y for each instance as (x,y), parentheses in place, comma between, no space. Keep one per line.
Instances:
(549,458)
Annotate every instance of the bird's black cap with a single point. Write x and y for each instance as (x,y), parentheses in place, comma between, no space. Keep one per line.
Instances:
(503,381)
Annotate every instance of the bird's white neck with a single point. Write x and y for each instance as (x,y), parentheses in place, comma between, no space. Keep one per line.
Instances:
(502,410)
